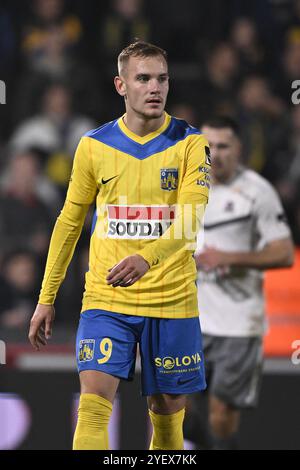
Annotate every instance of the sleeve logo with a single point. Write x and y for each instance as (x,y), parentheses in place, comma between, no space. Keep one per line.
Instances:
(207,155)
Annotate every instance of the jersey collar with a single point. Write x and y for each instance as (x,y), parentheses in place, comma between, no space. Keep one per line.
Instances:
(145,138)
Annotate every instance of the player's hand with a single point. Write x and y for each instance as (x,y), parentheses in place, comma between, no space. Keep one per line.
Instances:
(211,258)
(128,271)
(41,325)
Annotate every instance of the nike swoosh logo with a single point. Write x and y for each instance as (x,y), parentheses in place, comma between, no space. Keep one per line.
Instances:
(185,381)
(103,181)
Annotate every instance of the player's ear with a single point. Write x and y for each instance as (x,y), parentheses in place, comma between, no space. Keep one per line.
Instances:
(120,85)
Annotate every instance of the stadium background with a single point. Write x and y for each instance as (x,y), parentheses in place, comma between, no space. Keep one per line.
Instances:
(57,59)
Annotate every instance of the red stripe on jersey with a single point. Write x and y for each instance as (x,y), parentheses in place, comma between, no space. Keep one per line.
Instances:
(141,212)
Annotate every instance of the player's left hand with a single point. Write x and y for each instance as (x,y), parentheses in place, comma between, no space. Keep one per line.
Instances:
(211,259)
(127,271)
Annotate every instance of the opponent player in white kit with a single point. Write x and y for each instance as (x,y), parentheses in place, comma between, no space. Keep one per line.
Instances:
(245,234)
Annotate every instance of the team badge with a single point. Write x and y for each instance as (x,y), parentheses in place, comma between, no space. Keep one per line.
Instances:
(86,350)
(169,178)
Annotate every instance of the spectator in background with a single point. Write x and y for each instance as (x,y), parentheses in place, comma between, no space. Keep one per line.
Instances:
(245,40)
(181,27)
(18,286)
(58,65)
(288,179)
(292,30)
(50,49)
(290,69)
(125,21)
(264,125)
(56,131)
(45,190)
(294,139)
(217,89)
(37,35)
(25,221)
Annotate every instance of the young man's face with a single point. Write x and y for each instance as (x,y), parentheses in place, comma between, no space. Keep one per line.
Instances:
(224,151)
(144,82)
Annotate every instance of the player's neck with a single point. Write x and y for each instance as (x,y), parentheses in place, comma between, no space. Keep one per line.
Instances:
(141,126)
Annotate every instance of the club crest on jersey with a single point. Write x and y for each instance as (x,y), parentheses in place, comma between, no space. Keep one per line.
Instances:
(169,179)
(86,350)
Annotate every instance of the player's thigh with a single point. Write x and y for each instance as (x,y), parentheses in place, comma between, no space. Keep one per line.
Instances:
(99,383)
(165,403)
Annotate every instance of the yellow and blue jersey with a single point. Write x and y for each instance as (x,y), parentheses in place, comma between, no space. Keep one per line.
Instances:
(138,184)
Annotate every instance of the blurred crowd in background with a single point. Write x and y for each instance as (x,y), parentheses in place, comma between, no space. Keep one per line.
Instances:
(58,60)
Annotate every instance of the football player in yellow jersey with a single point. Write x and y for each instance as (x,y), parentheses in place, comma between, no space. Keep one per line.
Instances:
(148,173)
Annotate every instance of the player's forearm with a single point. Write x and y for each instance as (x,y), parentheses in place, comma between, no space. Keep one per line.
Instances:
(277,255)
(181,234)
(62,245)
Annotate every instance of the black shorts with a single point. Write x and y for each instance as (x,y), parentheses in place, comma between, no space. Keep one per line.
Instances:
(233,369)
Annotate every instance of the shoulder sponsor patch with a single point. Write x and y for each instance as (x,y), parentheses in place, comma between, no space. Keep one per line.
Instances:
(207,155)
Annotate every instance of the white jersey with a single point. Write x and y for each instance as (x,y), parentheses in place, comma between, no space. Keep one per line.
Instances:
(243,215)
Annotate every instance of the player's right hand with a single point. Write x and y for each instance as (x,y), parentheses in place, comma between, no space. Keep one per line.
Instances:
(41,325)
